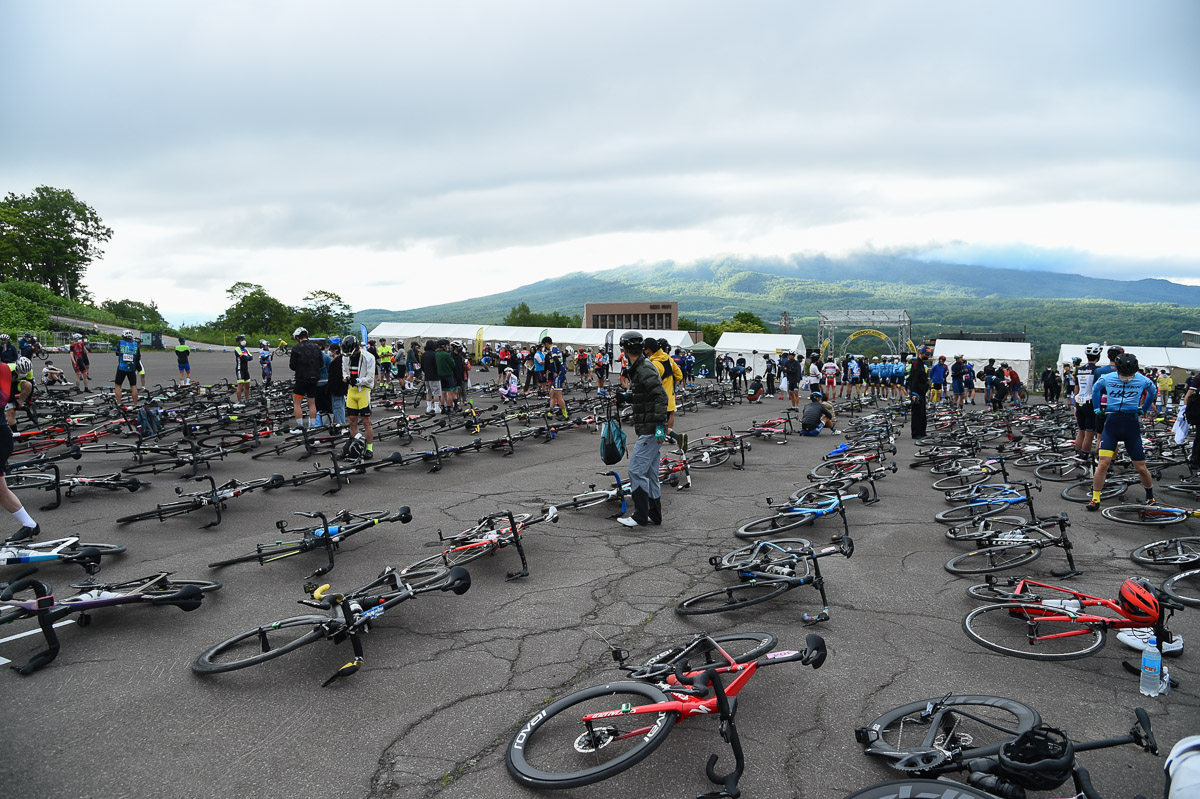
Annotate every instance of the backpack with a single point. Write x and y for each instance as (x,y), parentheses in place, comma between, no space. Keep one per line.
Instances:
(148,422)
(1191,411)
(612,442)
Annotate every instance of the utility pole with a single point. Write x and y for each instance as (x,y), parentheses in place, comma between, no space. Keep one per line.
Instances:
(785,322)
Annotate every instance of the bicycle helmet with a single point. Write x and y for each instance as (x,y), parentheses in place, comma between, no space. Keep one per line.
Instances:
(547,340)
(77,337)
(1076,359)
(349,345)
(631,341)
(650,344)
(299,333)
(1113,352)
(1138,601)
(663,344)
(1127,364)
(127,334)
(1039,759)
(1092,349)
(182,340)
(240,337)
(262,342)
(816,396)
(4,337)
(23,365)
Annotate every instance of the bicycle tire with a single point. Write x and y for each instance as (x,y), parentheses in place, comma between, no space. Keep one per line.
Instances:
(1005,628)
(164,587)
(823,491)
(992,594)
(955,464)
(742,557)
(979,739)
(18,481)
(964,513)
(830,470)
(1082,491)
(161,512)
(769,525)
(708,457)
(993,559)
(154,467)
(1187,489)
(589,500)
(573,757)
(1147,515)
(1063,471)
(920,789)
(211,660)
(1180,552)
(733,597)
(1184,587)
(224,440)
(988,527)
(961,480)
(448,559)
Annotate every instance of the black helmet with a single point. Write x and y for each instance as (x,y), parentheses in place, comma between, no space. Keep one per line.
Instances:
(349,345)
(547,340)
(1040,758)
(631,340)
(1127,364)
(1114,351)
(650,344)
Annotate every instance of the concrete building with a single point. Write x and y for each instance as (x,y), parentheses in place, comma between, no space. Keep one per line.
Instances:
(631,315)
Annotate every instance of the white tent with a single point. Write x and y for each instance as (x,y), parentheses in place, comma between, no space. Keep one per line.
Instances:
(1017,354)
(754,346)
(494,334)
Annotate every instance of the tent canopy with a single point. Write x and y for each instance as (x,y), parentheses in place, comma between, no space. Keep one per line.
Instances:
(494,334)
(1017,354)
(755,346)
(706,357)
(1180,359)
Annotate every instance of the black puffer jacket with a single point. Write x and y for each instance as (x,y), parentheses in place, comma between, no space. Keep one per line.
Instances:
(648,397)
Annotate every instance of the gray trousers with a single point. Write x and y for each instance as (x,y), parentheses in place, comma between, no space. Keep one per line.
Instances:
(643,466)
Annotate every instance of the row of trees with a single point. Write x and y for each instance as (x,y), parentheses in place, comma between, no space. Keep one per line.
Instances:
(50,237)
(256,314)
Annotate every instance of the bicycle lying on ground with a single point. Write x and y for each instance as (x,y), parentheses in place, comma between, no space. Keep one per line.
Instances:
(767,569)
(351,615)
(1017,546)
(489,535)
(806,509)
(64,550)
(327,536)
(156,589)
(1154,515)
(214,497)
(598,732)
(1002,744)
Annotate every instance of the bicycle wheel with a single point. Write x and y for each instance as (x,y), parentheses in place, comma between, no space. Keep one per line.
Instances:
(988,527)
(963,513)
(1180,552)
(21,480)
(73,549)
(824,490)
(589,500)
(976,725)
(733,597)
(769,525)
(1186,489)
(762,554)
(1184,587)
(1082,491)
(1145,514)
(154,467)
(993,593)
(707,457)
(223,440)
(1063,471)
(161,512)
(162,587)
(993,559)
(920,789)
(961,480)
(1032,631)
(260,644)
(458,556)
(555,749)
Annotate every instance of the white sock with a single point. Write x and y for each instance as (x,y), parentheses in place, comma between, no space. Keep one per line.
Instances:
(24,519)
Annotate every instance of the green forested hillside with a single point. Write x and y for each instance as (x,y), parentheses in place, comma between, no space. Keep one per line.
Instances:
(941,298)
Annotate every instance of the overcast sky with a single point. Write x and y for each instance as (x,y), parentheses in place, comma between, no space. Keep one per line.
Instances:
(403,154)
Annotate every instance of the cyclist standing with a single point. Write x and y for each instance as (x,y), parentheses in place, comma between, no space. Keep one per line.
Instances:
(649,401)
(80,362)
(1128,394)
(1085,415)
(241,368)
(182,354)
(385,362)
(358,372)
(918,386)
(8,500)
(305,362)
(264,360)
(129,363)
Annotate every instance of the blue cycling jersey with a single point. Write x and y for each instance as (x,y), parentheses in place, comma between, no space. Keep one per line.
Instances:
(1132,396)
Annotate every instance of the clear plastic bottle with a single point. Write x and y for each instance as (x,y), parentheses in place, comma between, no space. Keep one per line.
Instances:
(1151,669)
(1066,604)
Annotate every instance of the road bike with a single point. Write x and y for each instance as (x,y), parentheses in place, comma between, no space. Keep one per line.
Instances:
(712,451)
(1153,515)
(349,616)
(326,536)
(155,589)
(1183,552)
(621,490)
(490,534)
(598,732)
(1184,587)
(16,551)
(1040,621)
(805,510)
(214,497)
(1002,744)
(767,569)
(48,477)
(992,502)
(1019,546)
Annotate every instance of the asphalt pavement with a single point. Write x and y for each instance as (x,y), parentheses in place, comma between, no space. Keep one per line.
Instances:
(448,680)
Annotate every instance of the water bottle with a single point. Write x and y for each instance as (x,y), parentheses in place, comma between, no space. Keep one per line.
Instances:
(1151,669)
(1066,604)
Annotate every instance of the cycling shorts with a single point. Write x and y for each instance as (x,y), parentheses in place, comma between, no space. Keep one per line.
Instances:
(385,369)
(1126,428)
(6,447)
(812,430)
(1085,417)
(304,388)
(957,386)
(183,367)
(125,376)
(358,401)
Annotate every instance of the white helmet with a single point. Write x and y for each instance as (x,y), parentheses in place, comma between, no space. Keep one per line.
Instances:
(78,337)
(1092,349)
(23,365)
(127,334)
(262,342)
(298,332)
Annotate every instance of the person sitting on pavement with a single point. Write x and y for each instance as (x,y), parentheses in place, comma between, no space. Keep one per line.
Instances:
(754,393)
(812,418)
(52,375)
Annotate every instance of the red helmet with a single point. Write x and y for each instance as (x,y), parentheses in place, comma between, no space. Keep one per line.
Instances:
(1138,601)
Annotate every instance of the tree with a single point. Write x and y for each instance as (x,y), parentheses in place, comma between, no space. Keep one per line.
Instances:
(143,315)
(253,309)
(324,312)
(687,323)
(50,237)
(521,316)
(748,323)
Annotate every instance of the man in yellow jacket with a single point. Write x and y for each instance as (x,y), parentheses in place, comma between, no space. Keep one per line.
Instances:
(668,370)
